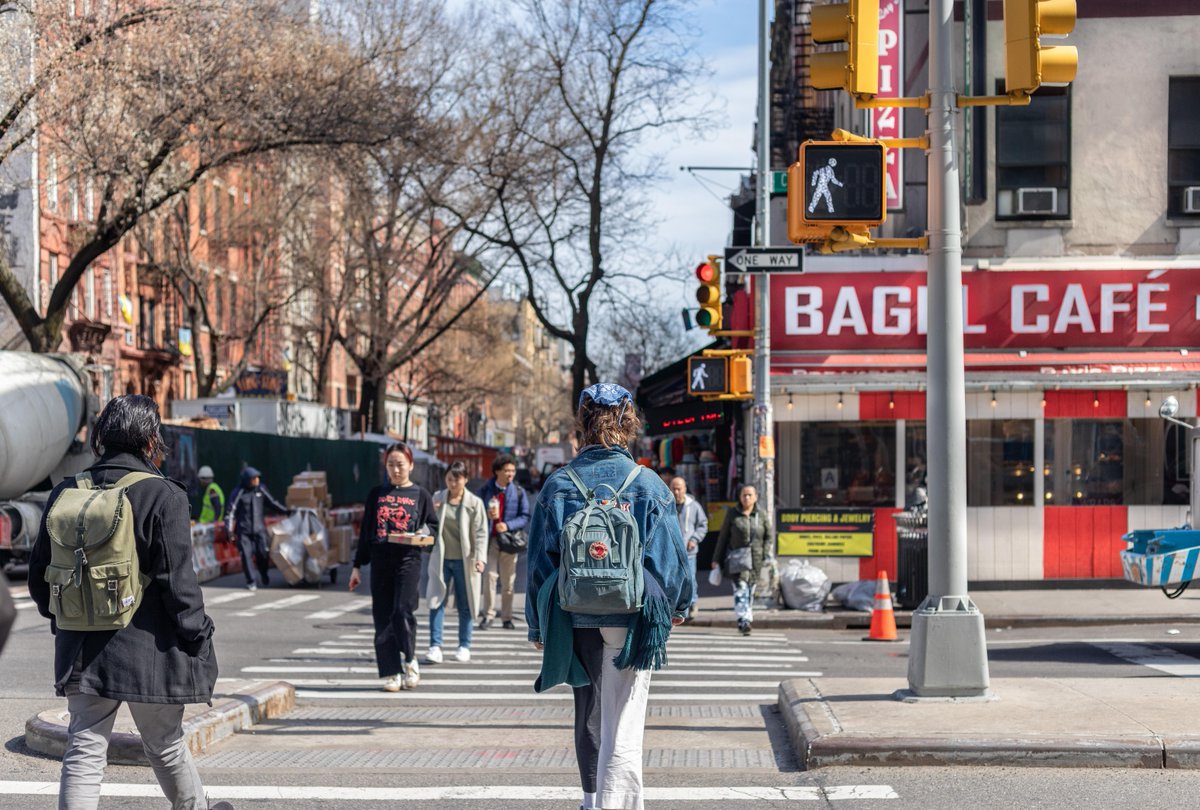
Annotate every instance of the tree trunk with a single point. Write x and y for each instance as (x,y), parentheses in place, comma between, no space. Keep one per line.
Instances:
(372,408)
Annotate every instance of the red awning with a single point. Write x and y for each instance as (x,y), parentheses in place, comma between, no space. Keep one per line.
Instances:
(1042,363)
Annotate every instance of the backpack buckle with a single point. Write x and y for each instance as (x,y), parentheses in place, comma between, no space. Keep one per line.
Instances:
(81,556)
(56,590)
(113,585)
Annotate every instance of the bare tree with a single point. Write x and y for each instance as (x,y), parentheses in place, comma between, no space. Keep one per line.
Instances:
(194,86)
(572,101)
(647,326)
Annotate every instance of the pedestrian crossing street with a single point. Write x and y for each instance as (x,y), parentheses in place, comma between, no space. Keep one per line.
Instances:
(704,666)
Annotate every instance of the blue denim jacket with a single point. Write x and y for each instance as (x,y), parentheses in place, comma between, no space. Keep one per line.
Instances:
(652,505)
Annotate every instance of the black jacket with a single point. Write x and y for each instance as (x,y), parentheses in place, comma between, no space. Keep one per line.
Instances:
(165,655)
(247,507)
(8,611)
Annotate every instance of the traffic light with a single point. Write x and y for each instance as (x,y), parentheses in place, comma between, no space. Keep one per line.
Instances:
(740,383)
(1027,63)
(709,294)
(856,69)
(839,183)
(707,376)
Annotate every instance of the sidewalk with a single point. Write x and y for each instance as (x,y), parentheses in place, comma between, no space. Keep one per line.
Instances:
(1051,722)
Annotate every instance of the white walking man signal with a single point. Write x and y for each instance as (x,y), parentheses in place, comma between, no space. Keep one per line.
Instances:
(699,377)
(821,179)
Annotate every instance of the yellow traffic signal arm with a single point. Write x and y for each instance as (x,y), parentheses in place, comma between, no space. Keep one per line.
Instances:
(1018,98)
(873,103)
(847,136)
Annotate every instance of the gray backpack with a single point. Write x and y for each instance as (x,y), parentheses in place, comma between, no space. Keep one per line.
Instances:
(600,567)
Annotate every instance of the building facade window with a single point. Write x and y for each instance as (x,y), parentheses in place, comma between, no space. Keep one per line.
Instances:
(1131,462)
(89,200)
(848,464)
(90,296)
(202,206)
(1033,157)
(1183,147)
(52,182)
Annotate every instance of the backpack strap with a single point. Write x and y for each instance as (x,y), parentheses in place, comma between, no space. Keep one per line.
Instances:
(129,479)
(629,479)
(84,481)
(582,487)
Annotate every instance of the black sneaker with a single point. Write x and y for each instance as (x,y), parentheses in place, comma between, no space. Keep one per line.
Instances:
(746,629)
(508,625)
(484,624)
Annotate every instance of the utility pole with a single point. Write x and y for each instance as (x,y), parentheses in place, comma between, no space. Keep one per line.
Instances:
(947,652)
(763,435)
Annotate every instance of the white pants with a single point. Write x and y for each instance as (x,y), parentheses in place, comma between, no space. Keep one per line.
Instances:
(160,726)
(623,694)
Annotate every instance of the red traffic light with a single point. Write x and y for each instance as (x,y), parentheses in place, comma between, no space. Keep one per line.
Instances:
(705,272)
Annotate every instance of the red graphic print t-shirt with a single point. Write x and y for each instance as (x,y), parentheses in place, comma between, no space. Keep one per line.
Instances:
(393,510)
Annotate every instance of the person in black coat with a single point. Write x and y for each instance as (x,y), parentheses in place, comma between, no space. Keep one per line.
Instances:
(245,513)
(164,658)
(8,611)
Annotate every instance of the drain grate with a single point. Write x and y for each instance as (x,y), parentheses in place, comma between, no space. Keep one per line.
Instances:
(454,758)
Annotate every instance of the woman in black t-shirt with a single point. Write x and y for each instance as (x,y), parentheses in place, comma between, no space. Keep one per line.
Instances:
(394,513)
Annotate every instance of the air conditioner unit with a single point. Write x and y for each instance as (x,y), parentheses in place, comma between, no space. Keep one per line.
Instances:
(1191,200)
(1037,200)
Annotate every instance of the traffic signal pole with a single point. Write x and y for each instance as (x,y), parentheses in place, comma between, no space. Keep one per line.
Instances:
(948,652)
(763,434)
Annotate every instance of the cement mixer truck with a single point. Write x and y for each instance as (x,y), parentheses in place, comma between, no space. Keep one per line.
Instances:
(45,402)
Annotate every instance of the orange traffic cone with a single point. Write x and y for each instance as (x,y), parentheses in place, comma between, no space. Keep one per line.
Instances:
(883,620)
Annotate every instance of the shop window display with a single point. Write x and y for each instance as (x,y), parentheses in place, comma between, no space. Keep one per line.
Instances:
(848,464)
(1000,462)
(1101,462)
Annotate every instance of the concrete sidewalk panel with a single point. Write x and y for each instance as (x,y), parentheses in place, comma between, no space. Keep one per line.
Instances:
(203,726)
(1083,722)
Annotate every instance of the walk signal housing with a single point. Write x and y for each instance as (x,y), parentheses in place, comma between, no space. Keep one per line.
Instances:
(856,69)
(740,383)
(709,294)
(838,183)
(708,376)
(1028,64)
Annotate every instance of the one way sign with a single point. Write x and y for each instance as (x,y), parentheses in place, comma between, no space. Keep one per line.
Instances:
(765,259)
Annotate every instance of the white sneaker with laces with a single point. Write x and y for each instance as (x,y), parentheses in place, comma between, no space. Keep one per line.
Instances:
(412,674)
(434,655)
(393,683)
(463,655)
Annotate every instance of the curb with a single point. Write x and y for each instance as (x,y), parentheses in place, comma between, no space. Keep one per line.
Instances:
(862,620)
(46,732)
(819,741)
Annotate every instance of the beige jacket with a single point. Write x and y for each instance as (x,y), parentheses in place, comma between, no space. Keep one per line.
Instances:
(475,548)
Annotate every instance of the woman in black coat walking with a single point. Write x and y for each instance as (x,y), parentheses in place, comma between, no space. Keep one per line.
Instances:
(163,659)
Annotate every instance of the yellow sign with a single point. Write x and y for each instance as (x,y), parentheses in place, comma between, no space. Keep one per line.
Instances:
(825,532)
(716,514)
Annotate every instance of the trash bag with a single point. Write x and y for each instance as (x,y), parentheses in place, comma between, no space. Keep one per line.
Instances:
(804,586)
(856,595)
(714,576)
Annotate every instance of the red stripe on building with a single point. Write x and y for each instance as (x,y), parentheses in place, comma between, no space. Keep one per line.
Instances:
(885,546)
(1086,404)
(1082,542)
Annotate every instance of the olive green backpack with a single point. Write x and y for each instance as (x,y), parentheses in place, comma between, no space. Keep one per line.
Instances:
(95,582)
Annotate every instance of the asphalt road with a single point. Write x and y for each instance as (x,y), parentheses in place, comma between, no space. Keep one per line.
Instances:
(475,736)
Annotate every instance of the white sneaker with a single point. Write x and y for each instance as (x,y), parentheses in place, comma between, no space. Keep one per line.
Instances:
(434,656)
(393,684)
(463,655)
(412,674)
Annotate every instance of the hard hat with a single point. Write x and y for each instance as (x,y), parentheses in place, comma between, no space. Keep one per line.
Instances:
(205,472)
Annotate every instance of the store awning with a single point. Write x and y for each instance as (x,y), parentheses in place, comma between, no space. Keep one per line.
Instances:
(1039,364)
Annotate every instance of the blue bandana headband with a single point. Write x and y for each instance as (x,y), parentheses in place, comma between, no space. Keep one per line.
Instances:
(605,394)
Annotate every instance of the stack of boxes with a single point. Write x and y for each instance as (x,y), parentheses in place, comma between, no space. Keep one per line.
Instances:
(301,547)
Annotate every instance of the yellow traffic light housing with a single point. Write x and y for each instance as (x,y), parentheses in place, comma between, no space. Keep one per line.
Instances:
(1028,64)
(708,294)
(856,69)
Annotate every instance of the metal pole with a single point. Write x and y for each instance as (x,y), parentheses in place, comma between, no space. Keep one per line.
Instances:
(764,421)
(948,654)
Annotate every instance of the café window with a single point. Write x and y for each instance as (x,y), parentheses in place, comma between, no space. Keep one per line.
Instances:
(1033,157)
(848,464)
(1133,462)
(1000,463)
(915,463)
(1183,147)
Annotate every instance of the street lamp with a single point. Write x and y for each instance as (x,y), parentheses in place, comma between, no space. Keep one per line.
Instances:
(1168,410)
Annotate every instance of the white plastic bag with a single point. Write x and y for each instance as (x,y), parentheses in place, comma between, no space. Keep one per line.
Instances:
(804,586)
(714,576)
(856,595)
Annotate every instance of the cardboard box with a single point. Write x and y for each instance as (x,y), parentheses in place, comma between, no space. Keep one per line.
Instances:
(302,496)
(341,540)
(410,539)
(292,573)
(315,548)
(317,481)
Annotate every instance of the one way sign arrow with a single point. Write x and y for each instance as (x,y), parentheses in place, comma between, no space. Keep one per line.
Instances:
(765,259)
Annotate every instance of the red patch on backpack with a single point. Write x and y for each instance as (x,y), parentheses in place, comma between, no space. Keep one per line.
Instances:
(598,550)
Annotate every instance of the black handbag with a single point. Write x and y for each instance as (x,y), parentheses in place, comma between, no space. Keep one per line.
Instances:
(512,542)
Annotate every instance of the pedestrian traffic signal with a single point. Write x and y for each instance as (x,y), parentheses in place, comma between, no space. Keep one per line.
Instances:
(840,184)
(739,376)
(707,376)
(709,294)
(1027,63)
(856,69)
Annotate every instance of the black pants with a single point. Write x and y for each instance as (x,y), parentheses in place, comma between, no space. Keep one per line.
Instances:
(589,648)
(254,554)
(395,596)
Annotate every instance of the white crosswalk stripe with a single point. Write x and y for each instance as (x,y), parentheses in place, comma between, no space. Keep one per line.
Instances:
(287,602)
(1161,659)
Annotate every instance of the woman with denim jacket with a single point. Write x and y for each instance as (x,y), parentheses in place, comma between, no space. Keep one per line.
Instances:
(607,658)
(745,540)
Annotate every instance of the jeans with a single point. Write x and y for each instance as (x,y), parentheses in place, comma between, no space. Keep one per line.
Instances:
(91,725)
(253,547)
(610,720)
(454,573)
(743,600)
(501,567)
(395,595)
